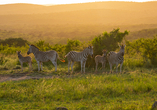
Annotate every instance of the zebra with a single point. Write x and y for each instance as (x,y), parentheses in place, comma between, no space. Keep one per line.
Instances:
(81,57)
(24,60)
(41,56)
(116,58)
(101,59)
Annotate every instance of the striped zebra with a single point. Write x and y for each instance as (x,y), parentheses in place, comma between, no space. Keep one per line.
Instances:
(41,56)
(116,58)
(24,60)
(101,59)
(81,57)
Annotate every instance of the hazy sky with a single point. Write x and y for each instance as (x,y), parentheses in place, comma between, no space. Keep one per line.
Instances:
(60,1)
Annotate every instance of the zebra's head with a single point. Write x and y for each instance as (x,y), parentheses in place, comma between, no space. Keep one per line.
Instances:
(90,48)
(122,49)
(104,52)
(19,53)
(30,50)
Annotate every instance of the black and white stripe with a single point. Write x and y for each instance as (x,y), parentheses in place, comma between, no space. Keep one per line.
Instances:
(26,59)
(81,57)
(41,56)
(116,58)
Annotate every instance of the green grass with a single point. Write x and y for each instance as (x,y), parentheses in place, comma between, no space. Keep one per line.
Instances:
(134,90)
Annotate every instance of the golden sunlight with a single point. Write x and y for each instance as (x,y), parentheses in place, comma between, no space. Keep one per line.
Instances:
(55,2)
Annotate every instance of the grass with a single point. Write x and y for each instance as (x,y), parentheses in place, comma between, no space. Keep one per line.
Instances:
(133,89)
(130,90)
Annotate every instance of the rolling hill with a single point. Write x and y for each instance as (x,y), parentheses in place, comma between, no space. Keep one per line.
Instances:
(77,20)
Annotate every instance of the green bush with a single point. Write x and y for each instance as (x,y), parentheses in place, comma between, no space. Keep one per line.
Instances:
(146,48)
(108,41)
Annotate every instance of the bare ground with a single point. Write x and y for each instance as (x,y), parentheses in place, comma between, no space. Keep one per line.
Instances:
(21,76)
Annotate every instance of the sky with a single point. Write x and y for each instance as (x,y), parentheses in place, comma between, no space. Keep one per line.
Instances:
(56,2)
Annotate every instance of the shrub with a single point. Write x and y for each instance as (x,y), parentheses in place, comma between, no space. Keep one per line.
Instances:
(144,47)
(14,41)
(108,41)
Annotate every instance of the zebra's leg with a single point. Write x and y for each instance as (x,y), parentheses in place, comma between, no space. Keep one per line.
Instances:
(81,66)
(22,66)
(41,66)
(84,64)
(55,64)
(121,67)
(116,68)
(103,66)
(72,65)
(38,65)
(96,66)
(110,67)
(69,62)
(29,66)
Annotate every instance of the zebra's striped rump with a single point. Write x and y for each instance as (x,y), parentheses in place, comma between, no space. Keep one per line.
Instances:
(74,56)
(41,56)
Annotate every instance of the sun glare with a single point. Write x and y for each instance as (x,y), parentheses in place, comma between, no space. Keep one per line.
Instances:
(55,2)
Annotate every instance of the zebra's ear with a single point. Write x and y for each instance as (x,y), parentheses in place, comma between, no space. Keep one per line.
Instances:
(119,45)
(90,46)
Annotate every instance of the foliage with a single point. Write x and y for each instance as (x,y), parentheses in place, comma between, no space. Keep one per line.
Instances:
(72,45)
(43,46)
(139,53)
(108,41)
(144,47)
(14,42)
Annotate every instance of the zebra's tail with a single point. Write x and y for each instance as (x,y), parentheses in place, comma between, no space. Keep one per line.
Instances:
(66,55)
(62,60)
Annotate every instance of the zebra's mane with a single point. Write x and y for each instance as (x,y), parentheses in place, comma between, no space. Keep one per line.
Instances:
(85,48)
(34,46)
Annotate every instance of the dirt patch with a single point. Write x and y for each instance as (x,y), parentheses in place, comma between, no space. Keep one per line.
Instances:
(21,76)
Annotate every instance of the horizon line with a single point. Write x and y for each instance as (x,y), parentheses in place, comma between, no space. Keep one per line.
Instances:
(83,2)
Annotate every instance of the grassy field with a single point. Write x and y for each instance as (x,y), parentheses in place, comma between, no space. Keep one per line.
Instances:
(131,90)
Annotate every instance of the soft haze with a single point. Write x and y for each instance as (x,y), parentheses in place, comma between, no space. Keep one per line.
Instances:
(55,2)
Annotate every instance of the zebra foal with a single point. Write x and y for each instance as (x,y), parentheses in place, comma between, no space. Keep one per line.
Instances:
(116,58)
(101,59)
(24,60)
(41,56)
(81,57)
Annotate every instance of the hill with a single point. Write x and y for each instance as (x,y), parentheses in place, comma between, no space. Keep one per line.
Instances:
(81,21)
(40,9)
(145,33)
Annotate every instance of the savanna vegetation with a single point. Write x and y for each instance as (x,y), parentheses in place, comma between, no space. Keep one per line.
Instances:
(135,88)
(74,27)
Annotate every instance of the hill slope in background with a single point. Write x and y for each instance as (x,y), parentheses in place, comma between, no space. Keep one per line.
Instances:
(77,20)
(40,9)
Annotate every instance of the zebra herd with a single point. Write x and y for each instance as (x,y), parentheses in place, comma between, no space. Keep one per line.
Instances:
(73,56)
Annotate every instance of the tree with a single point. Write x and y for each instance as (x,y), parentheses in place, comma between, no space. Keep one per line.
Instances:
(108,41)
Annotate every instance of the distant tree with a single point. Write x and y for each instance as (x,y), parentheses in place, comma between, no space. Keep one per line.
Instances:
(108,41)
(14,42)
